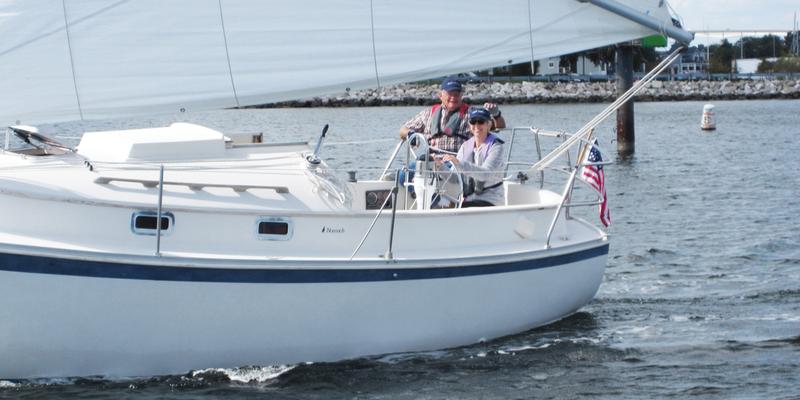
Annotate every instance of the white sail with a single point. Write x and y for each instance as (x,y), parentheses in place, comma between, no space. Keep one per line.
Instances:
(88,59)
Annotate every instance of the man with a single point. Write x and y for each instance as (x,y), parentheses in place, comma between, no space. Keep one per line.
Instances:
(446,125)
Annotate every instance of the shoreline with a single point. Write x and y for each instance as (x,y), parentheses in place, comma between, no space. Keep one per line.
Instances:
(534,92)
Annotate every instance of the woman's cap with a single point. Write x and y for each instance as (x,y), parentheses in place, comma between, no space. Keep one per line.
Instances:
(479,114)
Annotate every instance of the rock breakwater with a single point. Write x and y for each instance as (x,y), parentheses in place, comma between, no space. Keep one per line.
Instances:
(556,92)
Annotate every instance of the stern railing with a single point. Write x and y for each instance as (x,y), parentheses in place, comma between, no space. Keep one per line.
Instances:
(572,169)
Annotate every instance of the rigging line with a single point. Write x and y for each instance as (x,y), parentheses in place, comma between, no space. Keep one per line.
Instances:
(374,51)
(54,31)
(227,54)
(510,38)
(360,142)
(71,61)
(530,35)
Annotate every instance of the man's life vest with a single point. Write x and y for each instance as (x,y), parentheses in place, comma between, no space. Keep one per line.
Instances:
(452,124)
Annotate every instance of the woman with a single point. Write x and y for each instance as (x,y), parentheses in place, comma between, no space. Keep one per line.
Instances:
(481,159)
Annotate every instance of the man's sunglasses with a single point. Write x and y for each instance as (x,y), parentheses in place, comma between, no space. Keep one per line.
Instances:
(476,122)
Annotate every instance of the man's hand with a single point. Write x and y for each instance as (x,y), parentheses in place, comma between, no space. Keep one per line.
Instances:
(494,111)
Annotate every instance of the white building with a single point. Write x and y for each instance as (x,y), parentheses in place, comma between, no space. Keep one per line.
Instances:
(750,65)
(548,66)
(585,66)
(693,62)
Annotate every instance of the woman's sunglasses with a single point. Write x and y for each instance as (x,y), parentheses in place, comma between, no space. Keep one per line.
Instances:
(476,122)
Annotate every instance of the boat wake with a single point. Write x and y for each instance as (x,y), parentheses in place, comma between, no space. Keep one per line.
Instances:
(243,374)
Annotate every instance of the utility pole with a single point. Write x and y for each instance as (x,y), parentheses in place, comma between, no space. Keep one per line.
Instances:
(625,125)
(795,49)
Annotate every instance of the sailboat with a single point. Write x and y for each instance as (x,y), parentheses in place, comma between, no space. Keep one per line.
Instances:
(158,250)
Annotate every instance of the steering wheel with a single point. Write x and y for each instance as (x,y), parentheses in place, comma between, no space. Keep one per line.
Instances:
(448,184)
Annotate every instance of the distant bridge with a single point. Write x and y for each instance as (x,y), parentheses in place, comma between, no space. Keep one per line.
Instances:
(795,45)
(738,31)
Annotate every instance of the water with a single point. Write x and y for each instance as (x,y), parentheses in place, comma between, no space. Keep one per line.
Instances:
(701,298)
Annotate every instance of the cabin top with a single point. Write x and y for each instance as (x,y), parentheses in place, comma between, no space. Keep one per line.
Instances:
(179,141)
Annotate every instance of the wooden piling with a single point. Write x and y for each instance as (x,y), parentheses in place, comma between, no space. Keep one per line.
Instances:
(625,125)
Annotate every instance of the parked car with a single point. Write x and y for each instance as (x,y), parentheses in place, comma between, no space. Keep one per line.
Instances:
(468,77)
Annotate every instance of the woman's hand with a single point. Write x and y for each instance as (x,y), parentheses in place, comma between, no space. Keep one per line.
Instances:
(451,158)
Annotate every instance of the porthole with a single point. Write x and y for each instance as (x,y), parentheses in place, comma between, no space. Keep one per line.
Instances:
(144,223)
(274,228)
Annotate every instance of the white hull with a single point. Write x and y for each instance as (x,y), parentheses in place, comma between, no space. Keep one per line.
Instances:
(264,259)
(129,327)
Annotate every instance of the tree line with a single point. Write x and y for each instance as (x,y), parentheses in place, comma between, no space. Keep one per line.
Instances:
(720,56)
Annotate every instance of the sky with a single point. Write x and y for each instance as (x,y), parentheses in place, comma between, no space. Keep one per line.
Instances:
(736,15)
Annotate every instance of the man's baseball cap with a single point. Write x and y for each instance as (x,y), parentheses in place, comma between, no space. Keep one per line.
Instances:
(452,85)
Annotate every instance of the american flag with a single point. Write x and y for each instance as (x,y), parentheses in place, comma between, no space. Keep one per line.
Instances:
(595,177)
